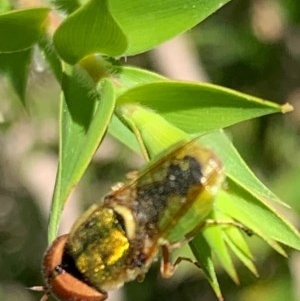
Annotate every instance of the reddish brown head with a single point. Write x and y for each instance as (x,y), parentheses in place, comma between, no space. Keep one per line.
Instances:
(62,284)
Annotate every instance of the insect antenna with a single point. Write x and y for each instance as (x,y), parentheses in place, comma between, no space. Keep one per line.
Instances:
(40,288)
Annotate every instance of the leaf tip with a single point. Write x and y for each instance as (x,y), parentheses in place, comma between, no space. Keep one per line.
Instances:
(255,272)
(286,108)
(236,280)
(220,297)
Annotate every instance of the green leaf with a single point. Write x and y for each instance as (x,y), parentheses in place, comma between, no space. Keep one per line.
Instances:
(130,77)
(21,29)
(231,234)
(125,78)
(83,122)
(259,217)
(106,26)
(121,132)
(5,6)
(235,167)
(15,66)
(153,132)
(198,108)
(239,247)
(148,23)
(90,29)
(215,239)
(202,253)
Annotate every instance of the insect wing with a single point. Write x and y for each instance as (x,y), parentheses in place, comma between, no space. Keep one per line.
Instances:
(175,192)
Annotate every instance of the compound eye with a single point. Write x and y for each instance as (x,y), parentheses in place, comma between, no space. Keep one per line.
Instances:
(62,284)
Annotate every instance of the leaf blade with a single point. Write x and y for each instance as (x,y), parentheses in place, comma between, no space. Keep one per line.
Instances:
(257,216)
(21,29)
(203,255)
(84,120)
(90,29)
(181,103)
(15,66)
(148,23)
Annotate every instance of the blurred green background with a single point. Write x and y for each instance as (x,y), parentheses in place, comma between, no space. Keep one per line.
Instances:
(251,46)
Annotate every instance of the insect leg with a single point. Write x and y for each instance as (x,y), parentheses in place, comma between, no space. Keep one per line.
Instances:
(45,297)
(167,269)
(207,223)
(211,222)
(189,236)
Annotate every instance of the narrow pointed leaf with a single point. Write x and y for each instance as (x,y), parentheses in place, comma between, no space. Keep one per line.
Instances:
(233,232)
(239,247)
(15,66)
(258,216)
(198,108)
(235,240)
(85,115)
(148,23)
(121,132)
(250,224)
(215,239)
(202,253)
(235,167)
(21,29)
(90,29)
